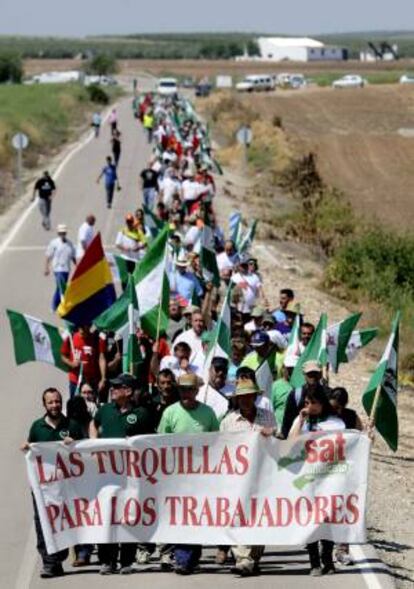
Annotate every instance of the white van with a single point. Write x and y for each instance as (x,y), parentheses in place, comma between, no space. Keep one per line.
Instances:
(255,83)
(167,87)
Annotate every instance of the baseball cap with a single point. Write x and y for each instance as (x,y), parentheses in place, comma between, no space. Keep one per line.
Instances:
(124,379)
(62,228)
(259,338)
(311,366)
(220,362)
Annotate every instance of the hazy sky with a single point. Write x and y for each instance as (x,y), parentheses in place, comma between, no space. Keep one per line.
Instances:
(83,17)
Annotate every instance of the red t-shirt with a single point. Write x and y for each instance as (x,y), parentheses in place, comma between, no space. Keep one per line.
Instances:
(87,349)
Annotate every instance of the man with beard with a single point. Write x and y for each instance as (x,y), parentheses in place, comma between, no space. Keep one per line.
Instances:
(52,427)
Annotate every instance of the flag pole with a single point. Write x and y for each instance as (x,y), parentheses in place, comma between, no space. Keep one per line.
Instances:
(375,405)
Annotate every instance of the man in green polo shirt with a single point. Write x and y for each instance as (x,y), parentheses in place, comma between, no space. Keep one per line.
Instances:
(188,416)
(120,419)
(52,427)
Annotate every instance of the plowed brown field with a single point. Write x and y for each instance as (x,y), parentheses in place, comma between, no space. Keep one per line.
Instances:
(355,134)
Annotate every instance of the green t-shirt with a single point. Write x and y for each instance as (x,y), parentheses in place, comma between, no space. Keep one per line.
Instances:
(178,420)
(280,392)
(112,423)
(41,431)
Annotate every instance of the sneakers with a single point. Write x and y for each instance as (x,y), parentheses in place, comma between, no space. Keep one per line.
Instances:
(126,570)
(182,571)
(143,557)
(166,562)
(48,572)
(246,571)
(344,558)
(221,557)
(107,569)
(315,572)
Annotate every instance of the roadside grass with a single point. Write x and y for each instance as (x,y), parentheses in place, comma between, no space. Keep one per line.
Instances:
(379,77)
(367,265)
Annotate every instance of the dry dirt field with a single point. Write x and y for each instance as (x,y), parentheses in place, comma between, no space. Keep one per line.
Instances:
(356,136)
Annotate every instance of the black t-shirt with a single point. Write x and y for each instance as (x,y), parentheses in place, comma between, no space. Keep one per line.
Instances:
(349,417)
(45,187)
(149,178)
(116,145)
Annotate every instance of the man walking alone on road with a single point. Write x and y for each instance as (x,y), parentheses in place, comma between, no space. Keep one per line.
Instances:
(61,254)
(45,187)
(111,180)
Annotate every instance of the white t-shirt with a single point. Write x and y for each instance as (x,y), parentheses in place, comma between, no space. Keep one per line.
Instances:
(224,261)
(61,253)
(128,242)
(249,284)
(172,363)
(191,189)
(86,233)
(192,236)
(169,187)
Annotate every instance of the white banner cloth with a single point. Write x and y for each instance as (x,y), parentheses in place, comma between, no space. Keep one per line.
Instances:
(213,489)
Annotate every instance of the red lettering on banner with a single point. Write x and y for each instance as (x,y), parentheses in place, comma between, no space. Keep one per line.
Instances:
(132,512)
(100,455)
(253,512)
(150,467)
(206,517)
(190,466)
(114,521)
(239,515)
(164,461)
(132,460)
(241,457)
(352,502)
(61,469)
(306,510)
(112,457)
(206,461)
(52,512)
(189,514)
(148,508)
(222,512)
(266,515)
(172,504)
(282,502)
(325,449)
(66,518)
(337,506)
(321,509)
(180,469)
(75,459)
(225,462)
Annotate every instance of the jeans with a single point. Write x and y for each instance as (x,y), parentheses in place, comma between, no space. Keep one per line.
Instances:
(149,195)
(45,206)
(110,188)
(108,553)
(61,279)
(83,551)
(187,555)
(50,561)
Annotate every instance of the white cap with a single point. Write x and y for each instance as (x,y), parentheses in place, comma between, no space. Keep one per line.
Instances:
(62,228)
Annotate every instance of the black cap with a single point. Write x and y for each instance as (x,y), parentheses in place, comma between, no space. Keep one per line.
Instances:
(220,362)
(125,379)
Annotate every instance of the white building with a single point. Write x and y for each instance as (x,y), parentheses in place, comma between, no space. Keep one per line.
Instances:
(296,49)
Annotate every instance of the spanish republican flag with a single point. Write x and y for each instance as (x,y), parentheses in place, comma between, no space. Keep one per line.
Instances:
(90,290)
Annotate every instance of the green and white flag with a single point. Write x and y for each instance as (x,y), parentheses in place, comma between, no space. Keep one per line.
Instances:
(132,358)
(294,349)
(247,239)
(35,341)
(119,268)
(315,350)
(208,256)
(116,317)
(264,373)
(152,287)
(154,224)
(235,227)
(358,340)
(380,397)
(338,337)
(220,344)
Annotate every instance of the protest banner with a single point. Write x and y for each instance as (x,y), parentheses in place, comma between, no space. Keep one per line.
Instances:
(217,489)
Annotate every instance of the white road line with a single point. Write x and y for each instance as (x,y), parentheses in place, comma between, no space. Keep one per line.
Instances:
(371,578)
(28,561)
(25,215)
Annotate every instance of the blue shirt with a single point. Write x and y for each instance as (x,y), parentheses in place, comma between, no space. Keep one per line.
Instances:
(185,284)
(109,172)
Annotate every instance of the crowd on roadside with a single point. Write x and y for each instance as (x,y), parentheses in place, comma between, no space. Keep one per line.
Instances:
(171,391)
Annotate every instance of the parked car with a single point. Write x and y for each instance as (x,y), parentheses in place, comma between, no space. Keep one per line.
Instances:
(297,81)
(99,81)
(407,79)
(202,89)
(350,81)
(167,86)
(256,83)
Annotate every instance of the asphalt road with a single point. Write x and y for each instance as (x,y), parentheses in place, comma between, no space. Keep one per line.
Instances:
(26,289)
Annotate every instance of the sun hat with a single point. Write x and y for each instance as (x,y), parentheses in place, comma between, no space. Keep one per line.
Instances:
(257,312)
(189,380)
(311,366)
(62,228)
(246,387)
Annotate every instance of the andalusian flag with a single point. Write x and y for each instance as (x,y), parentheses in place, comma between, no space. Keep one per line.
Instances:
(35,341)
(208,256)
(221,336)
(122,267)
(152,222)
(235,227)
(380,397)
(90,290)
(132,358)
(248,237)
(265,373)
(338,336)
(315,350)
(358,340)
(152,287)
(294,349)
(117,316)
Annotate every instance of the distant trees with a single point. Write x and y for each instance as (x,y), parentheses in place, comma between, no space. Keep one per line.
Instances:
(102,64)
(11,67)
